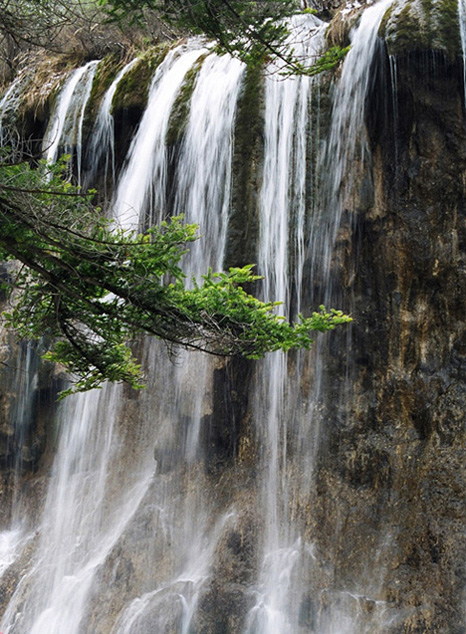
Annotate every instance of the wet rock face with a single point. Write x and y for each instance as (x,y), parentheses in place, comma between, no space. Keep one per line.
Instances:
(397,456)
(27,405)
(247,173)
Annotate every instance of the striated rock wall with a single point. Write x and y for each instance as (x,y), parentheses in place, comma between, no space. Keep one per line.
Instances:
(390,499)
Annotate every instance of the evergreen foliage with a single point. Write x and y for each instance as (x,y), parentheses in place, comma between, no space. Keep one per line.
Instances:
(253,31)
(91,288)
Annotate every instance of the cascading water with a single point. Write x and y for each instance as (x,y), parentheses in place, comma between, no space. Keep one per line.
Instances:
(282,227)
(345,157)
(136,190)
(127,544)
(90,503)
(462,18)
(11,544)
(102,144)
(26,379)
(19,533)
(347,144)
(209,142)
(289,559)
(64,132)
(203,195)
(9,136)
(79,527)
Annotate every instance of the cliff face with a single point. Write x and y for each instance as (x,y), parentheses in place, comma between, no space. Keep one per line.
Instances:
(353,502)
(396,458)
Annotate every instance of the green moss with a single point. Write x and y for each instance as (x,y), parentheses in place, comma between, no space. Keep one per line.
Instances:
(422,25)
(410,34)
(133,89)
(250,117)
(105,73)
(180,111)
(247,172)
(427,6)
(385,21)
(449,26)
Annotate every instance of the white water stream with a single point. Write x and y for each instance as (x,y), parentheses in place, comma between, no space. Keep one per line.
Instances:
(142,185)
(102,143)
(282,222)
(91,502)
(203,196)
(9,102)
(282,413)
(344,161)
(64,131)
(347,144)
(79,526)
(462,18)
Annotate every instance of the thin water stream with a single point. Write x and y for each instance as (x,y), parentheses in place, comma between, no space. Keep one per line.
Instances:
(193,527)
(462,18)
(102,144)
(64,131)
(9,136)
(282,231)
(344,162)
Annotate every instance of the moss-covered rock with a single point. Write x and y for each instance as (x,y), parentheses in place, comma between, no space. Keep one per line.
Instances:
(38,83)
(105,73)
(130,99)
(133,89)
(247,172)
(339,29)
(422,25)
(180,111)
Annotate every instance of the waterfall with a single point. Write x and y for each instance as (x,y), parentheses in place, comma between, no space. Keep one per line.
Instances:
(346,149)
(462,19)
(11,544)
(26,384)
(203,195)
(102,142)
(282,223)
(64,131)
(79,528)
(136,518)
(344,160)
(147,158)
(93,507)
(289,421)
(20,452)
(9,136)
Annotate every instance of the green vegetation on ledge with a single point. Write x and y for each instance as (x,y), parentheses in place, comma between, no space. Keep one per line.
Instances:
(255,32)
(422,25)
